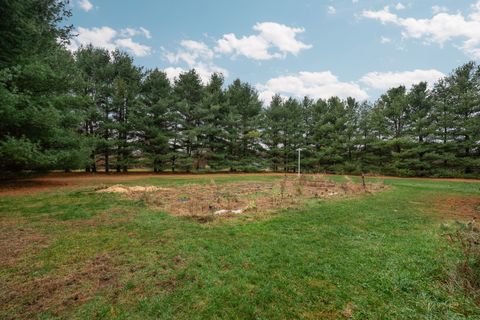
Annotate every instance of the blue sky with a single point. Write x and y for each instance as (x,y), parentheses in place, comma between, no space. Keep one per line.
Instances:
(317,48)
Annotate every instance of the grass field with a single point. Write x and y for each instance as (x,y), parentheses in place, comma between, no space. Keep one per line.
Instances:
(72,253)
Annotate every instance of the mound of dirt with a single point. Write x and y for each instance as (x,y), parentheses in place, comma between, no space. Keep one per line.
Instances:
(124,189)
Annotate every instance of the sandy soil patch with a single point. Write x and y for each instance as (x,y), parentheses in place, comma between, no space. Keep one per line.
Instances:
(128,189)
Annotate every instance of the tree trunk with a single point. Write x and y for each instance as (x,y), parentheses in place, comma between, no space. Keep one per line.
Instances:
(107,164)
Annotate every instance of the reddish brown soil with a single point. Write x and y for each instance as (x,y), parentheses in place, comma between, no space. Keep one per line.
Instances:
(427,179)
(458,207)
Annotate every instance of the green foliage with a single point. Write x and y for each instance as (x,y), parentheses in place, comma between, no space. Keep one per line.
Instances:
(96,108)
(28,28)
(37,75)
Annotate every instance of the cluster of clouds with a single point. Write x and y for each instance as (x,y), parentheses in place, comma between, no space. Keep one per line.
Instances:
(441,28)
(313,84)
(276,41)
(111,39)
(196,55)
(271,40)
(323,85)
(386,80)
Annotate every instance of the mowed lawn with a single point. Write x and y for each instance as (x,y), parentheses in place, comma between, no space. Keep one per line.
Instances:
(73,253)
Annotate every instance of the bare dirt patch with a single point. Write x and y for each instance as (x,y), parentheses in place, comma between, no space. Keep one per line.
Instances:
(207,201)
(460,207)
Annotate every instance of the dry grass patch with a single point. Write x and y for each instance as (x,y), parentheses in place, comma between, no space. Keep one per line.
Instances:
(58,292)
(17,242)
(467,272)
(206,201)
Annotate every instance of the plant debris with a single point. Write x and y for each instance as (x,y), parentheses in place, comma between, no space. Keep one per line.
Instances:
(228,199)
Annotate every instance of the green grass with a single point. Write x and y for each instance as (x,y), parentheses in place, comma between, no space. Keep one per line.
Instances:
(384,256)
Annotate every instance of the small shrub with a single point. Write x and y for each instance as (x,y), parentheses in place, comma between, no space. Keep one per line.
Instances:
(467,273)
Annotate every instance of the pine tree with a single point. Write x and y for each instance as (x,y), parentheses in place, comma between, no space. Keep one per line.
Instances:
(125,102)
(307,132)
(391,117)
(153,119)
(188,95)
(242,125)
(420,130)
(351,135)
(272,131)
(95,88)
(212,133)
(37,77)
(330,127)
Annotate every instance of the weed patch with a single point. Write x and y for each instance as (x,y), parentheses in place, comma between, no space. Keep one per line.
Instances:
(467,272)
(207,201)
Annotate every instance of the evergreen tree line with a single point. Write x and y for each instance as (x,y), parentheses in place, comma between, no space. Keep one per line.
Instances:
(97,110)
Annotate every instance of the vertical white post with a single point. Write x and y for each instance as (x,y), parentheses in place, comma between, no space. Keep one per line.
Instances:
(299,161)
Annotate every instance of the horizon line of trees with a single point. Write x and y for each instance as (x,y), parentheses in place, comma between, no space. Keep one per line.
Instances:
(97,110)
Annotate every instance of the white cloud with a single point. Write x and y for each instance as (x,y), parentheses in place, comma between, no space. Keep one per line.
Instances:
(437,9)
(331,10)
(85,5)
(441,28)
(313,84)
(194,54)
(128,32)
(386,80)
(273,40)
(323,85)
(400,6)
(383,15)
(110,39)
(354,1)
(190,52)
(139,50)
(146,32)
(132,32)
(173,72)
(385,40)
(99,37)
